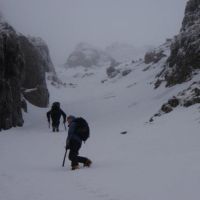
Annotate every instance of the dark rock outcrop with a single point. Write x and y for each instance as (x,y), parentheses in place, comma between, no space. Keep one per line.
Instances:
(33,82)
(185,98)
(153,56)
(47,64)
(174,102)
(22,76)
(112,72)
(11,70)
(192,14)
(166,108)
(185,49)
(126,72)
(43,49)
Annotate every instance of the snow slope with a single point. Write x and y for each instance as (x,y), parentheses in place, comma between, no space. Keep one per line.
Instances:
(153,161)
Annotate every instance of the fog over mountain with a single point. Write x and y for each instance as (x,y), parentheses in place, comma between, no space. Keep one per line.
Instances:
(143,114)
(122,52)
(65,23)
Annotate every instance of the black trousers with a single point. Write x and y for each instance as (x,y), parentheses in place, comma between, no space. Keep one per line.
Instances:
(74,147)
(55,124)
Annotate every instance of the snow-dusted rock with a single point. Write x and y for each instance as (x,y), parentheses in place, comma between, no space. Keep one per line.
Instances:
(112,72)
(183,63)
(185,98)
(185,49)
(153,56)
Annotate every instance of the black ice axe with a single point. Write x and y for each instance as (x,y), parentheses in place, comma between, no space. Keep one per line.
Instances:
(63,164)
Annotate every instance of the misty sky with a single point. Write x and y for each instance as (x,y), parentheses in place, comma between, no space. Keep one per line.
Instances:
(64,23)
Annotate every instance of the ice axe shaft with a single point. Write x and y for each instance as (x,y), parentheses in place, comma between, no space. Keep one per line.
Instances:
(63,164)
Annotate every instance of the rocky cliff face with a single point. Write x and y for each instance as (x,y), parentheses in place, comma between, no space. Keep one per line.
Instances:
(185,49)
(183,64)
(47,64)
(11,70)
(192,15)
(22,76)
(43,49)
(33,81)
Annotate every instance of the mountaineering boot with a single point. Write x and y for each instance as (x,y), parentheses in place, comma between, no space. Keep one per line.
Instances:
(57,129)
(87,163)
(75,167)
(54,129)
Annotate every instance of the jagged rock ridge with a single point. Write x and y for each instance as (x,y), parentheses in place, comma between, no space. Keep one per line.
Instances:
(185,49)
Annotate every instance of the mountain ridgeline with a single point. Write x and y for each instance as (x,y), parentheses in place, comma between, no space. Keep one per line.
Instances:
(23,64)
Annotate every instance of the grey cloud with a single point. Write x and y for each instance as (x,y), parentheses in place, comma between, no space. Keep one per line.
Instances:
(64,23)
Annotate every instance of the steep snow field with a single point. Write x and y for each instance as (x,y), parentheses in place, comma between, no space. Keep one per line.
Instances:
(153,161)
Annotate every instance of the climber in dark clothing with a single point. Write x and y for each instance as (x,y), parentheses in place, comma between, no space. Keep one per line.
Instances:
(55,114)
(73,143)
